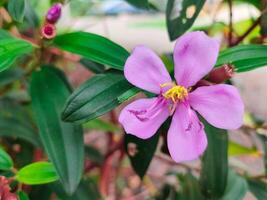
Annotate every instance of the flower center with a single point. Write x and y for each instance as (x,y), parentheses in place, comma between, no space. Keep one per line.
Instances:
(176,93)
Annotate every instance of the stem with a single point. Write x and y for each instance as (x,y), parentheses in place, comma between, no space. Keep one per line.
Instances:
(250,29)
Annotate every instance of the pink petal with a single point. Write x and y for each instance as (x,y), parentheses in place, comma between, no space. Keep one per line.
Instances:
(186,137)
(221,105)
(195,54)
(145,70)
(147,123)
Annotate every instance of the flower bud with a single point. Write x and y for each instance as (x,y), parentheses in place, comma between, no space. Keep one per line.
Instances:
(48,31)
(221,74)
(53,14)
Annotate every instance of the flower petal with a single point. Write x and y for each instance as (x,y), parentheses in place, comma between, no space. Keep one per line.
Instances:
(221,105)
(195,54)
(145,70)
(186,137)
(143,117)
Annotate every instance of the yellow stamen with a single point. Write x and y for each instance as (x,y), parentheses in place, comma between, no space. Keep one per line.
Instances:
(175,93)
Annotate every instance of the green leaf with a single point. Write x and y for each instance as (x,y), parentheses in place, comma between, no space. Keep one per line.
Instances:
(4,34)
(128,94)
(63,142)
(93,154)
(12,113)
(87,190)
(139,3)
(6,162)
(213,178)
(244,57)
(190,187)
(235,149)
(236,187)
(93,47)
(37,173)
(30,15)
(23,196)
(178,19)
(98,124)
(258,189)
(140,152)
(10,49)
(95,97)
(256,3)
(16,9)
(92,66)
(9,76)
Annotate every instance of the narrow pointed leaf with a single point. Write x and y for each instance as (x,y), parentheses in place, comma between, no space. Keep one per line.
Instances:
(139,3)
(10,49)
(178,19)
(259,189)
(12,113)
(213,178)
(96,97)
(6,162)
(244,57)
(16,8)
(236,188)
(93,47)
(63,142)
(23,196)
(190,187)
(37,173)
(140,152)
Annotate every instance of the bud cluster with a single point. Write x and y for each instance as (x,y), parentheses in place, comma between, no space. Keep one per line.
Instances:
(52,16)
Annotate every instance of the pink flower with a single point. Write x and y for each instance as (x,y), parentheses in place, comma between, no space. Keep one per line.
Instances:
(194,56)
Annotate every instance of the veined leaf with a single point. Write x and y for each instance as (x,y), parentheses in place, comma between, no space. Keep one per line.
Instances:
(16,8)
(23,196)
(12,113)
(9,76)
(37,173)
(93,47)
(236,187)
(87,190)
(63,142)
(10,49)
(181,15)
(214,171)
(96,97)
(190,187)
(6,162)
(259,189)
(244,57)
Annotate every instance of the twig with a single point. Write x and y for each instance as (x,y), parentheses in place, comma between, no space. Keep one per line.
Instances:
(250,29)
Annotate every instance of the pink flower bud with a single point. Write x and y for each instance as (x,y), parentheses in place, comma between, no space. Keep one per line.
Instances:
(48,31)
(221,74)
(53,14)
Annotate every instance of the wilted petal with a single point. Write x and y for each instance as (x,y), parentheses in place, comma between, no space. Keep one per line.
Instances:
(195,54)
(186,137)
(221,105)
(145,70)
(143,117)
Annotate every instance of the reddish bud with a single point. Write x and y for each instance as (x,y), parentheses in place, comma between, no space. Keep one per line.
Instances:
(48,31)
(221,74)
(54,13)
